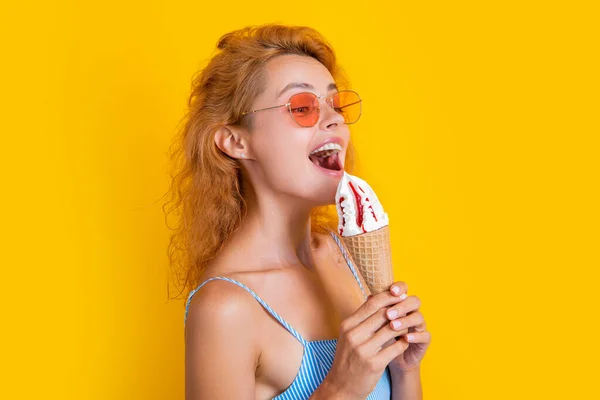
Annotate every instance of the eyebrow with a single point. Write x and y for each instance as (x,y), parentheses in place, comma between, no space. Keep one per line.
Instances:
(304,85)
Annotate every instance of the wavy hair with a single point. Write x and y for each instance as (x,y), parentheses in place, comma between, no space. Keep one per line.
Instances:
(206,203)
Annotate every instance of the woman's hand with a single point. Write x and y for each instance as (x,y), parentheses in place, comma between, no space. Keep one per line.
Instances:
(406,316)
(360,357)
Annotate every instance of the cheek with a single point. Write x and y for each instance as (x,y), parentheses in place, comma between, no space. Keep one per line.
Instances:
(283,151)
(287,172)
(279,161)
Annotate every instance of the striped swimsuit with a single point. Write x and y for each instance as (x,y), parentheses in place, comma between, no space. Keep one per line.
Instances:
(318,354)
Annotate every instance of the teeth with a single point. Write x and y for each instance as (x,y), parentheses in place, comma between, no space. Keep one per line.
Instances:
(328,146)
(326,153)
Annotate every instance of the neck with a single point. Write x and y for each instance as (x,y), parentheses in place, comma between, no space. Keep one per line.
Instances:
(277,228)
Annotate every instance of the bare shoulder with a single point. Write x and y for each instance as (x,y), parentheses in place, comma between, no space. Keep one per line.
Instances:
(324,248)
(326,251)
(217,300)
(221,342)
(220,306)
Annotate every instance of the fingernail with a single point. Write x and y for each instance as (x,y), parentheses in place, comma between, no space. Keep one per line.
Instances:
(403,296)
(392,313)
(409,337)
(396,324)
(395,290)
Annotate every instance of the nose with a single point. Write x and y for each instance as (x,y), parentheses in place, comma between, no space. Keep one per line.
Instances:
(329,118)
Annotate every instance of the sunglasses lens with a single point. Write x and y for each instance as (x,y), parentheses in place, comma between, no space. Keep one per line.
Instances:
(348,104)
(305,109)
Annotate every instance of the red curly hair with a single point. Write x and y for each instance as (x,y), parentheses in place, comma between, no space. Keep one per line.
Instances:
(206,191)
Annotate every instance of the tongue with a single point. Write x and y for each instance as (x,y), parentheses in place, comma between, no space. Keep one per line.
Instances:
(330,162)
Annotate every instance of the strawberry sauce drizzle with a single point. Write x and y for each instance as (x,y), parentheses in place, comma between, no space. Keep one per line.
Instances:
(373,212)
(343,219)
(359,207)
(370,206)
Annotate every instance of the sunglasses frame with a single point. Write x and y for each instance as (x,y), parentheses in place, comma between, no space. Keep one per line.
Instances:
(326,97)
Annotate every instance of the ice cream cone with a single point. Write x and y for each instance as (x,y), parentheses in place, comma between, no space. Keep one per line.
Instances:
(364,227)
(371,253)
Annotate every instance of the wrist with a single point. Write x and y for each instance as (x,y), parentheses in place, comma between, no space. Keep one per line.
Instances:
(328,390)
(325,391)
(396,370)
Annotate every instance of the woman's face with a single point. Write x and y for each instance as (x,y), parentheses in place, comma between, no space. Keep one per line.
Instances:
(281,147)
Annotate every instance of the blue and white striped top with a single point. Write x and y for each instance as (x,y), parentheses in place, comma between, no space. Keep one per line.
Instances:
(318,354)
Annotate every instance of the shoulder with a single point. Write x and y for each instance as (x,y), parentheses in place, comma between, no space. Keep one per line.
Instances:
(327,250)
(221,341)
(324,246)
(220,303)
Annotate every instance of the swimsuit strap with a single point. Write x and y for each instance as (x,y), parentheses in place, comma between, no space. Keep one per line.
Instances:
(345,254)
(261,301)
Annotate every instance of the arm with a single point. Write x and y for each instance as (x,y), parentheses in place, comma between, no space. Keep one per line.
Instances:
(221,344)
(406,385)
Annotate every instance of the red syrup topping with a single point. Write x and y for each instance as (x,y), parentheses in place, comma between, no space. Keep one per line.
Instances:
(343,219)
(359,207)
(370,206)
(372,211)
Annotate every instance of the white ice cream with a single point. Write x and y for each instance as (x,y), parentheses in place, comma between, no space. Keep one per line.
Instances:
(359,210)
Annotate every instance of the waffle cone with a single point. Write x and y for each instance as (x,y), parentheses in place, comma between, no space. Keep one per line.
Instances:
(371,253)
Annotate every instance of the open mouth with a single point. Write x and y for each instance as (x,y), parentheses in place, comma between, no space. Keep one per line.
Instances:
(328,159)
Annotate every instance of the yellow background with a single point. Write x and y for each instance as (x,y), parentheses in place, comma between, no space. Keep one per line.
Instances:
(479,134)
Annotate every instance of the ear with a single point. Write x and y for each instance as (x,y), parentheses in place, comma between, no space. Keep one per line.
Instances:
(233,142)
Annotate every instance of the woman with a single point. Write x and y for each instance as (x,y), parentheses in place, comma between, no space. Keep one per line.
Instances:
(255,245)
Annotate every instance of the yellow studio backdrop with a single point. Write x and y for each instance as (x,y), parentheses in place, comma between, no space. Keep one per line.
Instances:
(479,134)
